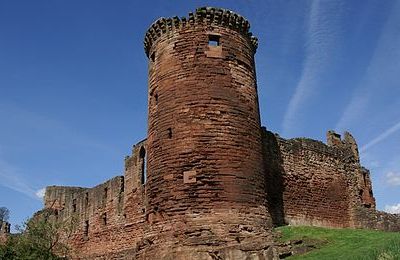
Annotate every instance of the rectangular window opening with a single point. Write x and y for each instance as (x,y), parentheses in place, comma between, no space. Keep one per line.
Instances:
(213,40)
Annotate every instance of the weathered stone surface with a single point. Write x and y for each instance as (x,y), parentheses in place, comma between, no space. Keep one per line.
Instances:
(205,165)
(208,182)
(202,190)
(310,183)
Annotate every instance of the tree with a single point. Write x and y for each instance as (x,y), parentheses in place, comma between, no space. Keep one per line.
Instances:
(39,238)
(4,214)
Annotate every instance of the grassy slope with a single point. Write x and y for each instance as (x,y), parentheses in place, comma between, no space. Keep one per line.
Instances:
(345,243)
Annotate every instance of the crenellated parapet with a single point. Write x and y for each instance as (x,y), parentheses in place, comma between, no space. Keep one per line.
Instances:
(204,15)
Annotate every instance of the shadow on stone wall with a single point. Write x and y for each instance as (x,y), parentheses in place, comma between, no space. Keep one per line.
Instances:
(273,166)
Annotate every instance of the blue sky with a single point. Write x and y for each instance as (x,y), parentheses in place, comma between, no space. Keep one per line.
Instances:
(73,85)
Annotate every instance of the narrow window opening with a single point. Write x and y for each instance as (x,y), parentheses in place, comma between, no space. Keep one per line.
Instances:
(86,228)
(213,40)
(153,56)
(74,205)
(104,217)
(142,156)
(105,195)
(86,199)
(170,133)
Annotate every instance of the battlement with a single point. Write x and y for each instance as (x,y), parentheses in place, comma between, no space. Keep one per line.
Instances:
(203,15)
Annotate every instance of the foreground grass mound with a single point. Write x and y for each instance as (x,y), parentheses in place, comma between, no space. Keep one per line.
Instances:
(344,243)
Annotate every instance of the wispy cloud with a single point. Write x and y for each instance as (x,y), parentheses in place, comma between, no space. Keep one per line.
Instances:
(381,137)
(352,111)
(323,28)
(12,179)
(383,70)
(49,131)
(394,209)
(393,179)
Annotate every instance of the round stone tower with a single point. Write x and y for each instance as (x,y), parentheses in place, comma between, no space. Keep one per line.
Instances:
(205,179)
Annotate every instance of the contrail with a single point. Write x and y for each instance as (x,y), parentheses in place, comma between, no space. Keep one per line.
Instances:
(381,137)
(322,34)
(382,70)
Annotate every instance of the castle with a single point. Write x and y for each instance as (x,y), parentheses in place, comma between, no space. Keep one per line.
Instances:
(209,182)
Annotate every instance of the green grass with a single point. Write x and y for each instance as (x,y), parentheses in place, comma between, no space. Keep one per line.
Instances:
(344,243)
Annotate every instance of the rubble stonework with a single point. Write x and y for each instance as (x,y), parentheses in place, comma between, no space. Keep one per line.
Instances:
(209,182)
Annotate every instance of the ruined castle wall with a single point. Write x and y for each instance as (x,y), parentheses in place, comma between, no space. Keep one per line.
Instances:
(314,184)
(60,197)
(379,220)
(107,218)
(135,180)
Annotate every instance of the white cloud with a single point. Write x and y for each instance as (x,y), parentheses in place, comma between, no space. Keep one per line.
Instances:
(321,40)
(393,179)
(40,193)
(394,209)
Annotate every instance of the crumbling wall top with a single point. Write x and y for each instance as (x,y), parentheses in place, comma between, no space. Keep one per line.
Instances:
(203,15)
(335,146)
(348,142)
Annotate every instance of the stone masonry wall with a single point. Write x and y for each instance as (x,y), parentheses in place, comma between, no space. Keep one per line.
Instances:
(379,220)
(107,218)
(311,183)
(206,182)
